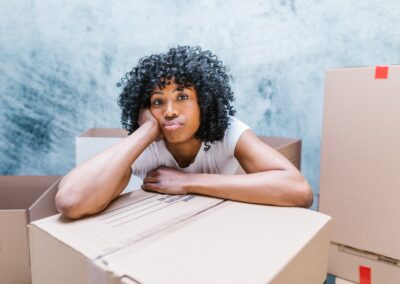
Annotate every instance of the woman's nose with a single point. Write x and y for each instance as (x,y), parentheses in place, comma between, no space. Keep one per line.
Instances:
(170,110)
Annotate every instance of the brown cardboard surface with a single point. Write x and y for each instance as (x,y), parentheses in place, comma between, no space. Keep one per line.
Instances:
(22,199)
(346,265)
(14,250)
(20,192)
(359,182)
(217,247)
(195,240)
(58,256)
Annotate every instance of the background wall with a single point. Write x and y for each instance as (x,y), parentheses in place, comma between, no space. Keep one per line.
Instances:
(60,61)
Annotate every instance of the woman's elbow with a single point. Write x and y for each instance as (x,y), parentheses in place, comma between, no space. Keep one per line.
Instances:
(306,195)
(68,205)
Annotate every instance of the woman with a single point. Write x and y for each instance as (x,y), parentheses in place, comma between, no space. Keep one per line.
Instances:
(183,139)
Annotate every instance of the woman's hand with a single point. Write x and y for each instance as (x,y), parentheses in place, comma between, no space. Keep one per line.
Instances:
(166,180)
(146,116)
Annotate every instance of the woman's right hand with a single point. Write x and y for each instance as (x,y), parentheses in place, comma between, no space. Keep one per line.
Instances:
(144,116)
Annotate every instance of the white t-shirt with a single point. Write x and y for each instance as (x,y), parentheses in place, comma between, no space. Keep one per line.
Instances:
(219,159)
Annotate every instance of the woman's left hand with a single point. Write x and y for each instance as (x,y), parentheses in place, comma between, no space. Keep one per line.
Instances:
(166,180)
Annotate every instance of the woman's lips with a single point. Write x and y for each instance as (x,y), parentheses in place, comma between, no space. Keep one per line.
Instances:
(172,127)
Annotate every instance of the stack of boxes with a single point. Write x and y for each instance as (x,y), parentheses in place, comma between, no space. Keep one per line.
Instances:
(360,172)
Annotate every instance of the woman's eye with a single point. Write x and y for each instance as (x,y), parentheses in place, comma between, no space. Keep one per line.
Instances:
(183,97)
(156,102)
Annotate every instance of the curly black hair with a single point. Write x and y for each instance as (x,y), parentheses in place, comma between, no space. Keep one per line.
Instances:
(188,66)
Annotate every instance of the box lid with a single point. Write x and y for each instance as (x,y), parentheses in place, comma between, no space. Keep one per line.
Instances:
(231,243)
(131,217)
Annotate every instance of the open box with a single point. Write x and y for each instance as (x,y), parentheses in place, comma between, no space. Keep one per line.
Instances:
(23,199)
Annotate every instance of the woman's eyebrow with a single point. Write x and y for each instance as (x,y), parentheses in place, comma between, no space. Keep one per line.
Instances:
(176,90)
(190,88)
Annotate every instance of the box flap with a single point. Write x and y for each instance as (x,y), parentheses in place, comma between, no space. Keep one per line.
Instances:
(20,192)
(130,218)
(230,243)
(45,205)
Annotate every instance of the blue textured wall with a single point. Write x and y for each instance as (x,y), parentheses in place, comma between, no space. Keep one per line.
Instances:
(60,61)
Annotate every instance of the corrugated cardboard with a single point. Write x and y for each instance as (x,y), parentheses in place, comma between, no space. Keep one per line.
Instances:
(345,261)
(95,140)
(360,181)
(145,237)
(22,199)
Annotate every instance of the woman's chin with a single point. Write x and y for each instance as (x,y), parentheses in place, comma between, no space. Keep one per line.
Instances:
(173,140)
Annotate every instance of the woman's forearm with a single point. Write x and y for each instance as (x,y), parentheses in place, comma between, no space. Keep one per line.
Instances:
(276,187)
(90,186)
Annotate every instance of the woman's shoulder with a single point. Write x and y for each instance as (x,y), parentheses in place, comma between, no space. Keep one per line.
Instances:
(235,128)
(236,124)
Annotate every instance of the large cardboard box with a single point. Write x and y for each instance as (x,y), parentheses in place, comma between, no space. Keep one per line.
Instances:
(360,181)
(145,237)
(95,140)
(23,199)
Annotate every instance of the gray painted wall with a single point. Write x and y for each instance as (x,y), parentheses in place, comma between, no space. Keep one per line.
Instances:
(60,61)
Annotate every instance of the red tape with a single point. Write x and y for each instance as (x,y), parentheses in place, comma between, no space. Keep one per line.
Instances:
(381,72)
(365,274)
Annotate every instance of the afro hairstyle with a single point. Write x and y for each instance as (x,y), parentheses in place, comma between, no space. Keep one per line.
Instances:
(187,66)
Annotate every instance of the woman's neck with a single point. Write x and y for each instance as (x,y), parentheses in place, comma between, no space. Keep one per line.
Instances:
(184,153)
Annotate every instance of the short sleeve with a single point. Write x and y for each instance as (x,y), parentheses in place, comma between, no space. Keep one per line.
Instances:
(146,161)
(233,132)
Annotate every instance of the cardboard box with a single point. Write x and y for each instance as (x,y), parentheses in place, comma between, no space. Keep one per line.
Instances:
(360,181)
(23,199)
(145,237)
(95,140)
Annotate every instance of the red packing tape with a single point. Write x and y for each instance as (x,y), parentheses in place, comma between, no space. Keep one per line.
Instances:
(381,72)
(365,274)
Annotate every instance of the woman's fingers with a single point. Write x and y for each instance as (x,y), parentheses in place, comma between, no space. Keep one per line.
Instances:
(152,186)
(148,179)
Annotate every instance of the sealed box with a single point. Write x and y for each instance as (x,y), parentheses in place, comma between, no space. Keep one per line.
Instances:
(145,237)
(23,199)
(359,182)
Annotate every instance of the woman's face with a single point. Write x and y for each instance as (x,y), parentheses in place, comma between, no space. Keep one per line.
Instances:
(177,112)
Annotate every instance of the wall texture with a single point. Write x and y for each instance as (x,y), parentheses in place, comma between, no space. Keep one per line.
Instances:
(60,61)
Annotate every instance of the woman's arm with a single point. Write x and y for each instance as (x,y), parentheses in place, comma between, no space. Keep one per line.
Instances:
(92,185)
(270,179)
